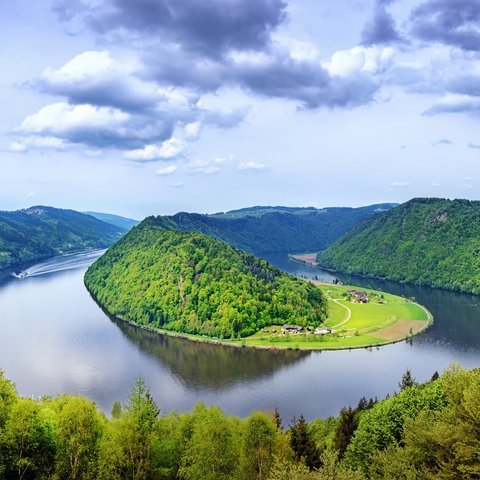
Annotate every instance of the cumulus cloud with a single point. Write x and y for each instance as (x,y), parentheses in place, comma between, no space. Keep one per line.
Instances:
(95,77)
(453,103)
(449,22)
(345,63)
(209,27)
(25,143)
(192,130)
(165,171)
(206,45)
(93,126)
(169,149)
(251,167)
(205,167)
(381,28)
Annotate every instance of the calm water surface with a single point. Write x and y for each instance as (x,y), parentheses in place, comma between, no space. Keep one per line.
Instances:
(54,338)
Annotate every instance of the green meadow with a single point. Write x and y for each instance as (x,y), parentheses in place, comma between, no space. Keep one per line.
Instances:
(385,318)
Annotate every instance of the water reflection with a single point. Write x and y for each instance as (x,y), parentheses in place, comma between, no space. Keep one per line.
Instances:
(204,365)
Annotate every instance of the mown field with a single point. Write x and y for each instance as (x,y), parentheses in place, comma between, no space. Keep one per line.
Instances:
(385,318)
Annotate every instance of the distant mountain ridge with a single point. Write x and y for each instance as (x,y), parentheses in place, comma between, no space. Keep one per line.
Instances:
(263,229)
(40,232)
(426,241)
(117,220)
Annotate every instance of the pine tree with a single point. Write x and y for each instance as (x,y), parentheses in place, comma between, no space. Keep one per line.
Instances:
(407,380)
(277,418)
(302,443)
(347,424)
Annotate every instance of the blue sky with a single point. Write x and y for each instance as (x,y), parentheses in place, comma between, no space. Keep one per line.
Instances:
(142,107)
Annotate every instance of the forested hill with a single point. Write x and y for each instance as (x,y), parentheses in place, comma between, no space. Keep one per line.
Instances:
(426,241)
(188,282)
(40,232)
(278,229)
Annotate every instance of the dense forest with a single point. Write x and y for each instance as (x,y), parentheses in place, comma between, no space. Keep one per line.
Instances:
(41,232)
(188,282)
(428,431)
(426,241)
(277,229)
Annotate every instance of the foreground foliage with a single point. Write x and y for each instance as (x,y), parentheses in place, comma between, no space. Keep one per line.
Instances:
(41,232)
(429,431)
(188,282)
(426,241)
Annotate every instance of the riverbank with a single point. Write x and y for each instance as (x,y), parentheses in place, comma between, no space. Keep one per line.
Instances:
(385,319)
(305,258)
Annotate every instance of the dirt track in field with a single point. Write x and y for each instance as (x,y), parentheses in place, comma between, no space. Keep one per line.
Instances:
(400,329)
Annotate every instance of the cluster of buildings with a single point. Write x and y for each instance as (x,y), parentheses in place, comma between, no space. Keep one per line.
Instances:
(358,296)
(296,329)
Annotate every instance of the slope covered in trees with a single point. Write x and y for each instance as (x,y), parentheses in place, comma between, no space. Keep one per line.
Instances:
(426,241)
(188,282)
(427,431)
(41,232)
(277,229)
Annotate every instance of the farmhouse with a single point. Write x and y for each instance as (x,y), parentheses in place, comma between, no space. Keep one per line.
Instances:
(359,296)
(292,329)
(322,331)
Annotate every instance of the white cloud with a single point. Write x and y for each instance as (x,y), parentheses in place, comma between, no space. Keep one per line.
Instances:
(170,148)
(399,184)
(454,103)
(205,167)
(192,130)
(85,67)
(251,166)
(25,143)
(168,170)
(344,63)
(61,117)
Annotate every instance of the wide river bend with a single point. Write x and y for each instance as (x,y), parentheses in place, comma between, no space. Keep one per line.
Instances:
(54,338)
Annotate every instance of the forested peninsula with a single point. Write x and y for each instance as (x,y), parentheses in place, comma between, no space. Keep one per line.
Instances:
(426,241)
(427,431)
(41,232)
(183,281)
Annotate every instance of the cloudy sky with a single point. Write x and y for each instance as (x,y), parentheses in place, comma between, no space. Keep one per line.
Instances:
(142,107)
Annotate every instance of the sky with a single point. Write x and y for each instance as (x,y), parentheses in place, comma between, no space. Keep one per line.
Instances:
(140,107)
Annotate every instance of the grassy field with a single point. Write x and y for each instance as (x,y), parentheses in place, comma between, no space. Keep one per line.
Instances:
(384,319)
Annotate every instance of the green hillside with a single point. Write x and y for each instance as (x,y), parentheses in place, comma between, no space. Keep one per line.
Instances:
(277,229)
(187,282)
(40,232)
(427,241)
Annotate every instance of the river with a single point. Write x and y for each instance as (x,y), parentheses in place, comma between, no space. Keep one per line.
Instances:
(54,338)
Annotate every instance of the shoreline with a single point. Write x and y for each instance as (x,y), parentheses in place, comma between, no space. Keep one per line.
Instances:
(239,344)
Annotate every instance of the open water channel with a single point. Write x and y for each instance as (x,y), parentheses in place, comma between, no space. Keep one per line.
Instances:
(54,338)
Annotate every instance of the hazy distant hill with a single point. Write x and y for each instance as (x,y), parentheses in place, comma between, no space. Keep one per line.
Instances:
(278,229)
(40,232)
(117,220)
(185,281)
(428,241)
